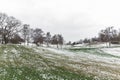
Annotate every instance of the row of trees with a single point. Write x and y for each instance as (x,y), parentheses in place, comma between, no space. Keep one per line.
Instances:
(13,31)
(108,35)
(38,37)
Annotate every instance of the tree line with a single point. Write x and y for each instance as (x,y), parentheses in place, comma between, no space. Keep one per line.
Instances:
(14,31)
(108,35)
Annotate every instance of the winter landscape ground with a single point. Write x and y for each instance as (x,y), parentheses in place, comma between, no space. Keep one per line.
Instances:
(18,62)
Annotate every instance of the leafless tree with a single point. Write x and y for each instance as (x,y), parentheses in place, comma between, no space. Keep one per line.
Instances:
(58,40)
(16,39)
(26,33)
(38,36)
(9,26)
(48,38)
(107,35)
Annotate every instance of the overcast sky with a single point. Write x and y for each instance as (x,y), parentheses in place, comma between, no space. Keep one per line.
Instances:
(74,19)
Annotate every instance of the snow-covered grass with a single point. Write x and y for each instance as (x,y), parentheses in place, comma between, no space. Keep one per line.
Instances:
(19,62)
(102,62)
(112,51)
(93,62)
(94,45)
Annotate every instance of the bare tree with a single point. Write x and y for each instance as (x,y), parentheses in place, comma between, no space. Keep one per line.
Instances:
(58,40)
(31,35)
(55,40)
(48,38)
(16,39)
(38,36)
(9,26)
(107,34)
(26,31)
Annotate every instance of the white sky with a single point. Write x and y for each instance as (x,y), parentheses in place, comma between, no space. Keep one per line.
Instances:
(75,19)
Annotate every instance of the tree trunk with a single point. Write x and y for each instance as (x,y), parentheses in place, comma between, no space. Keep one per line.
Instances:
(2,40)
(5,39)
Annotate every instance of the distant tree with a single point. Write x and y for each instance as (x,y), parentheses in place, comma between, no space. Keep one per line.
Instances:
(95,39)
(102,36)
(48,38)
(74,43)
(86,40)
(69,43)
(16,39)
(31,35)
(38,36)
(80,41)
(106,35)
(9,26)
(25,32)
(58,40)
(119,35)
(115,37)
(55,40)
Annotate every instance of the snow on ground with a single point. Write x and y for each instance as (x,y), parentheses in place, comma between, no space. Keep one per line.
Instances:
(113,51)
(59,51)
(96,45)
(101,66)
(76,56)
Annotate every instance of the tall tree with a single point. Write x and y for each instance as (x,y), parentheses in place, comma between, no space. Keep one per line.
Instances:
(26,31)
(58,40)
(48,38)
(9,26)
(55,40)
(31,35)
(106,35)
(16,39)
(38,36)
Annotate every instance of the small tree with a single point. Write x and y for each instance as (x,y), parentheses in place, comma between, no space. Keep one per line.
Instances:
(48,38)
(86,40)
(25,32)
(58,40)
(106,35)
(55,40)
(69,43)
(16,39)
(38,36)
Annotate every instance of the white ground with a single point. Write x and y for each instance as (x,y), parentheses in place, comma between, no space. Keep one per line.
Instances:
(99,66)
(102,67)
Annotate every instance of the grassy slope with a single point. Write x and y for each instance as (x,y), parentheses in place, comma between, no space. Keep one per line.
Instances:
(22,63)
(110,67)
(95,51)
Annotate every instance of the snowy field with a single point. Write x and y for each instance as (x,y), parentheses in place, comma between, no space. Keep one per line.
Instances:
(103,63)
(43,63)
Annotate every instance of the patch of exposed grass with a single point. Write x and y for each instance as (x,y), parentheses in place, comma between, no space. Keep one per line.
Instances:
(19,73)
(30,73)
